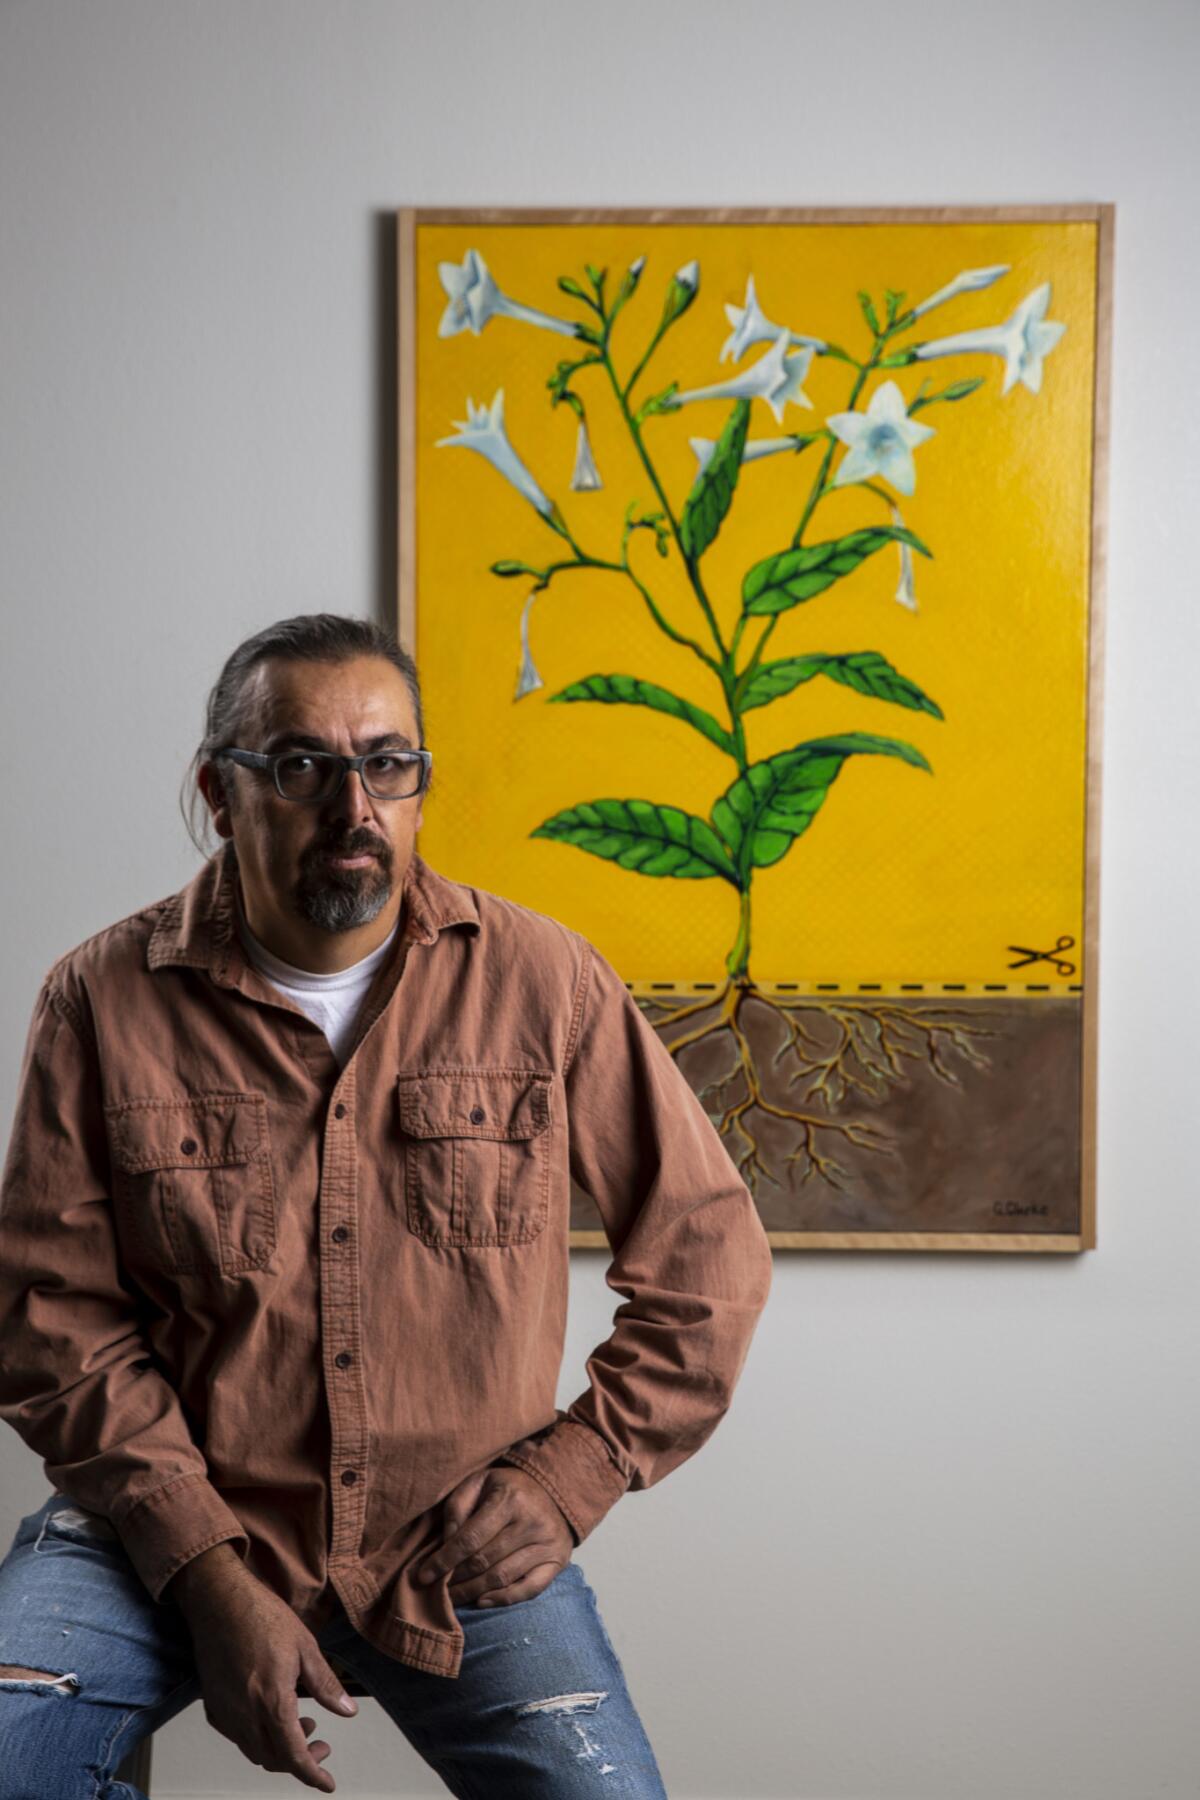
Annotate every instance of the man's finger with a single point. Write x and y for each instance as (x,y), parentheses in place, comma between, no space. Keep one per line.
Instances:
(320,1683)
(525,1588)
(297,1754)
(460,1502)
(471,1536)
(319,1748)
(505,1570)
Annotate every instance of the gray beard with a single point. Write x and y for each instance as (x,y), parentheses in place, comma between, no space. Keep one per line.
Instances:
(332,906)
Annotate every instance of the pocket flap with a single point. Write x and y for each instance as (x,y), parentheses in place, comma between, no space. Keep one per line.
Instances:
(479,1103)
(207,1131)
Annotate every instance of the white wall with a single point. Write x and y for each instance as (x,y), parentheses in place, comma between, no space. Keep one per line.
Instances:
(944,1547)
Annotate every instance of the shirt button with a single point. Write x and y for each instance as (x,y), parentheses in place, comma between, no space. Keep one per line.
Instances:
(343,1359)
(339,1234)
(339,1111)
(477,1115)
(349,1477)
(188,1146)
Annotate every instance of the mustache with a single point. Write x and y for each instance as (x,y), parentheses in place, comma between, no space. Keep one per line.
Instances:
(362,846)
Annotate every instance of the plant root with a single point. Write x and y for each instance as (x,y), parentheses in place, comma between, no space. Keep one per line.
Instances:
(872,1040)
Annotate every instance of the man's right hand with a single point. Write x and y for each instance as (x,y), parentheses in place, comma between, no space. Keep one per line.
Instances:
(252,1653)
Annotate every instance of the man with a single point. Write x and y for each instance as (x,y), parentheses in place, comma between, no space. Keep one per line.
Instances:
(284,1274)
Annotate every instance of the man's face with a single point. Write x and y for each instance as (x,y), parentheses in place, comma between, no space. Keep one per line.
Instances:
(336,864)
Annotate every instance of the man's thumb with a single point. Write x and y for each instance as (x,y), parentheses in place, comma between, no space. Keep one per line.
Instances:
(460,1503)
(323,1684)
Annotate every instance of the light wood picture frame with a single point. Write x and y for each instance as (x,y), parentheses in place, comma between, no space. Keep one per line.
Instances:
(852,880)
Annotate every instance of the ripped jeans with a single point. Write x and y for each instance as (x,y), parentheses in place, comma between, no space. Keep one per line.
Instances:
(539,1710)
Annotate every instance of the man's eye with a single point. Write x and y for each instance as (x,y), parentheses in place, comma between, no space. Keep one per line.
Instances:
(296,764)
(383,764)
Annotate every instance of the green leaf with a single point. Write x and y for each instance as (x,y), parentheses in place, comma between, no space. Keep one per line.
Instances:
(643,836)
(840,355)
(866,671)
(868,311)
(766,809)
(628,689)
(573,288)
(899,359)
(712,491)
(783,581)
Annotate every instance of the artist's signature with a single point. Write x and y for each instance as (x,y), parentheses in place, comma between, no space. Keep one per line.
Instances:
(1012,1209)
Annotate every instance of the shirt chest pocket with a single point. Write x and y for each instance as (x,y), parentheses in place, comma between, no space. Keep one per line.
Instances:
(193,1181)
(476,1154)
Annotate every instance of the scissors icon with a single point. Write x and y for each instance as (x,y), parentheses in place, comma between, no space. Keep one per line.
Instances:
(1050,956)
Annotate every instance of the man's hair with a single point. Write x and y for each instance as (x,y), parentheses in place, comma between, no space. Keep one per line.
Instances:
(309,637)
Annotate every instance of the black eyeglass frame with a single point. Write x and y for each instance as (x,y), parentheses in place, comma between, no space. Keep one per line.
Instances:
(261,759)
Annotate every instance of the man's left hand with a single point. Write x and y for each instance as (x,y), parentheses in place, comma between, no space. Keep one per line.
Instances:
(505,1539)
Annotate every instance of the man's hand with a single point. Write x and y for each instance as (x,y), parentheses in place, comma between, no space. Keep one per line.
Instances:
(252,1657)
(504,1539)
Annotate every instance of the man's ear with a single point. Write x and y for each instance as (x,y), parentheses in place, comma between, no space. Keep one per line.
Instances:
(212,785)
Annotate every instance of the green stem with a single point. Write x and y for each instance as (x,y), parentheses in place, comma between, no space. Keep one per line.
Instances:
(817,493)
(738,961)
(651,471)
(678,636)
(582,560)
(624,393)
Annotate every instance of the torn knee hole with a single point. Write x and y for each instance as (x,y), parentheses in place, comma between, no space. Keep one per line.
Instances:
(13,1676)
(565,1703)
(567,1708)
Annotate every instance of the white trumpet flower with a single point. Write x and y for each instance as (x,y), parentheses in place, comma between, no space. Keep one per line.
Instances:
(881,440)
(528,680)
(483,430)
(756,448)
(474,298)
(1024,341)
(586,476)
(775,378)
(971,281)
(751,326)
(904,593)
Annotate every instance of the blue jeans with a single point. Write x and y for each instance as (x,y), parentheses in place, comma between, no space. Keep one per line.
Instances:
(539,1709)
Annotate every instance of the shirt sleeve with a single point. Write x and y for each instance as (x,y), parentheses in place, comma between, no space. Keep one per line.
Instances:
(690,1257)
(78,1381)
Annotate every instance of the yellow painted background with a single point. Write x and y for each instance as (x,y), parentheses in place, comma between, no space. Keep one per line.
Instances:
(903,876)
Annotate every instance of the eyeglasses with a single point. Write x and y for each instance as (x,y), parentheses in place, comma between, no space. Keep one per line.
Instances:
(319,774)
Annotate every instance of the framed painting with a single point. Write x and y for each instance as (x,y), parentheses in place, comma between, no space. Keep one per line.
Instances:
(752,563)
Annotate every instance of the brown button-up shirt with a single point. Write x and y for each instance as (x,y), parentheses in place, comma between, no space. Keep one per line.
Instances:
(246,1294)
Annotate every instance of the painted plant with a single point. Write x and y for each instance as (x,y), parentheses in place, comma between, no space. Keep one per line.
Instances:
(873,446)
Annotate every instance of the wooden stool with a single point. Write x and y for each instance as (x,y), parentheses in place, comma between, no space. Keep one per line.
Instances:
(136,1767)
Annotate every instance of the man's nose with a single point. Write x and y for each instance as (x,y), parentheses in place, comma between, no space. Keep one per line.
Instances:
(352,801)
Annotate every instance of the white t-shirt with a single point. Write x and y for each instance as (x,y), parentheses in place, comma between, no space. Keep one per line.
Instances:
(331,1001)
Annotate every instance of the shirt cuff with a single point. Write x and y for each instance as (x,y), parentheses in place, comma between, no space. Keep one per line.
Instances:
(168,1527)
(570,1461)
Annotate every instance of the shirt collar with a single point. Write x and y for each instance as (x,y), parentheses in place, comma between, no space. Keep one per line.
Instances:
(197,926)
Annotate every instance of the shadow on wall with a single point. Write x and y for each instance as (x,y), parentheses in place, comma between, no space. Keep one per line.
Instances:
(384,417)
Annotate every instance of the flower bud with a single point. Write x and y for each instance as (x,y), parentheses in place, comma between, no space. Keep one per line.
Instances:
(684,285)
